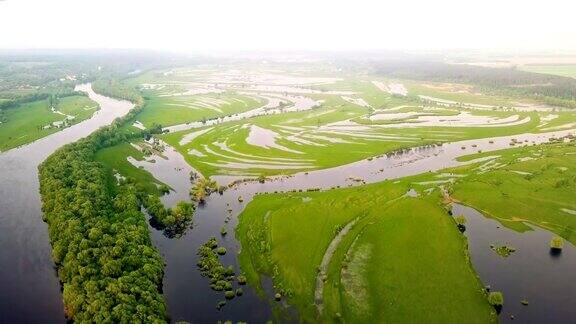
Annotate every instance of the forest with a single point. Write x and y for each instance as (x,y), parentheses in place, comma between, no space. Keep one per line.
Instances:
(549,89)
(106,262)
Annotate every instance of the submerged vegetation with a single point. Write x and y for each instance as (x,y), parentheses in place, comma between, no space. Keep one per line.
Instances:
(173,221)
(202,188)
(221,277)
(503,250)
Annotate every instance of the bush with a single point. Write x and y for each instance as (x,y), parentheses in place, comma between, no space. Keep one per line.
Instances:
(496,298)
(241,279)
(164,189)
(556,243)
(229,294)
(460,222)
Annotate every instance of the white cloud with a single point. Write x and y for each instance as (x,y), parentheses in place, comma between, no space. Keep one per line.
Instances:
(192,25)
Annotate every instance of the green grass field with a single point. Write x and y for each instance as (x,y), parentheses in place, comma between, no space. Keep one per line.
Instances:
(25,123)
(561,70)
(526,186)
(309,140)
(115,160)
(384,269)
(173,110)
(355,120)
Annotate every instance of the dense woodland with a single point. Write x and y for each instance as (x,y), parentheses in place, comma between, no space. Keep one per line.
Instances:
(101,245)
(113,88)
(550,89)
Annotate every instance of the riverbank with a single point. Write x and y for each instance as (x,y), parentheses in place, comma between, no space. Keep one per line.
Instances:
(31,290)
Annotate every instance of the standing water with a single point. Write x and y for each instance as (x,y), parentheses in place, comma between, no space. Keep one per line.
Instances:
(531,274)
(188,294)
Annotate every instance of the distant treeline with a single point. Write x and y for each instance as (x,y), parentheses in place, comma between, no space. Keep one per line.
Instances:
(550,89)
(16,100)
(113,88)
(106,262)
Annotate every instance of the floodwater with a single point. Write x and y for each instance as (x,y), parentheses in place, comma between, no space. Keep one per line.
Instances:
(190,298)
(532,273)
(273,105)
(30,290)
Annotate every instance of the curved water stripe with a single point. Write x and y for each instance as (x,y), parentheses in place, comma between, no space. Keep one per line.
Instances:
(274,101)
(30,286)
(323,267)
(334,244)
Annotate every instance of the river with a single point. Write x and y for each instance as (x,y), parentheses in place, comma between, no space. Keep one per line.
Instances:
(30,290)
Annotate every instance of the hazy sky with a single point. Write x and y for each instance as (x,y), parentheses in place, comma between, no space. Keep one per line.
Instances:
(199,25)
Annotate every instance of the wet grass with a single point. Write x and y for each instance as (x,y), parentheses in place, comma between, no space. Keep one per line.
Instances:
(25,123)
(400,280)
(387,265)
(324,147)
(534,185)
(173,110)
(115,161)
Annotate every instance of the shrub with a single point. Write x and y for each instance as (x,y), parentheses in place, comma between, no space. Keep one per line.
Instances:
(460,222)
(229,294)
(164,189)
(496,298)
(241,279)
(556,243)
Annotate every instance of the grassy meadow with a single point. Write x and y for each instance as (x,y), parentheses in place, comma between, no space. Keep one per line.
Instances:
(25,123)
(384,269)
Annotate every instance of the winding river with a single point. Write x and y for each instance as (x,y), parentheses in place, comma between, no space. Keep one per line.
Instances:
(30,290)
(30,287)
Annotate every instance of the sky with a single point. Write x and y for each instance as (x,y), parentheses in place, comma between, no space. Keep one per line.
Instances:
(279,25)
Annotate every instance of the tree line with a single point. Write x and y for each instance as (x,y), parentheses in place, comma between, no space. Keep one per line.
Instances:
(550,89)
(108,267)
